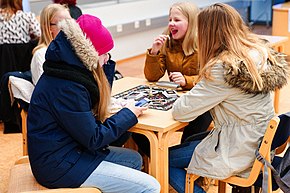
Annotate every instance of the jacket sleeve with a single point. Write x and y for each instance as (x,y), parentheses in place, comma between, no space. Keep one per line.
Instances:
(74,115)
(37,64)
(155,66)
(204,96)
(190,82)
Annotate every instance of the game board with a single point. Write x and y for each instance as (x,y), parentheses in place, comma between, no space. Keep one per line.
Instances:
(154,97)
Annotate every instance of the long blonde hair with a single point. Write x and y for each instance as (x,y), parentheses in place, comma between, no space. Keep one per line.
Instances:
(86,52)
(223,36)
(9,7)
(101,110)
(190,11)
(46,16)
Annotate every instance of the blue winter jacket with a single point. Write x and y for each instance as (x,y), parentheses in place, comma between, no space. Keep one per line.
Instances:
(65,142)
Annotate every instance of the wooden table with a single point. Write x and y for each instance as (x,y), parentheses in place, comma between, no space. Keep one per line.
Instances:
(278,43)
(157,126)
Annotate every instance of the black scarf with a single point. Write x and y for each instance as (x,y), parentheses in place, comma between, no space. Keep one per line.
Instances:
(76,74)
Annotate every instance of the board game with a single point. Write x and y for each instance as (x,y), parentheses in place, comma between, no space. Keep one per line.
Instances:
(151,96)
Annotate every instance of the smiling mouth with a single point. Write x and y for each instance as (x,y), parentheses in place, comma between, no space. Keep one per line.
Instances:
(173,32)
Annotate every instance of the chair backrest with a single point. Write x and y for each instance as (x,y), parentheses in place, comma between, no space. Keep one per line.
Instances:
(16,57)
(264,150)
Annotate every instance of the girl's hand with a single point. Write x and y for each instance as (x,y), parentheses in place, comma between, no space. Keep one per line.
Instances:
(136,110)
(178,78)
(157,44)
(103,59)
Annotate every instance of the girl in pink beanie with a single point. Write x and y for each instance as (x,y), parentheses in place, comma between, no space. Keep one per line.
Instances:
(69,127)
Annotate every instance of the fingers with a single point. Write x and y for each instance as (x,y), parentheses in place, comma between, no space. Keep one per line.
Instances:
(136,110)
(158,42)
(177,77)
(161,39)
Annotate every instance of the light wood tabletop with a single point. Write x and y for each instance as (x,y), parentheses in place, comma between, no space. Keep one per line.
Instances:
(277,42)
(157,126)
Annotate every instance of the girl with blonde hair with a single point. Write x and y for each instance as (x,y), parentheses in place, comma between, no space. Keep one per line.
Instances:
(238,73)
(49,17)
(175,51)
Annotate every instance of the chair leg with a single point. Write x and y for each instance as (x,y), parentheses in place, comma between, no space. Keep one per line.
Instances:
(189,183)
(222,187)
(257,189)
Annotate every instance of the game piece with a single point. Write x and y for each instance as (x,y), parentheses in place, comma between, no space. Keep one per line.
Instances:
(142,102)
(169,93)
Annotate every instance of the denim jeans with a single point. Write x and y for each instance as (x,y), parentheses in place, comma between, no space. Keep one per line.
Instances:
(179,158)
(120,173)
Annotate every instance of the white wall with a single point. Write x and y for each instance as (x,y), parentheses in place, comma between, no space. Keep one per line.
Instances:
(134,44)
(150,15)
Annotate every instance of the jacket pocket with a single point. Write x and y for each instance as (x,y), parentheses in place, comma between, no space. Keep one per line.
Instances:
(209,146)
(70,159)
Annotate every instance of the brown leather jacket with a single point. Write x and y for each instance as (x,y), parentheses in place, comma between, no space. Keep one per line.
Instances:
(174,61)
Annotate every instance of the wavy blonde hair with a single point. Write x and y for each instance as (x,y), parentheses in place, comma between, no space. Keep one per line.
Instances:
(46,15)
(223,36)
(101,111)
(190,11)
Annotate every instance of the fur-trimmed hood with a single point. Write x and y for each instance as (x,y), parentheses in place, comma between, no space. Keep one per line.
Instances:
(72,47)
(274,75)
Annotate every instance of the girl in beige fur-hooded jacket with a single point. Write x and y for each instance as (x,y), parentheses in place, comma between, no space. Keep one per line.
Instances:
(235,86)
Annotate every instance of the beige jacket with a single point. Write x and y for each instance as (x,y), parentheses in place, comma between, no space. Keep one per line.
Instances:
(174,61)
(240,114)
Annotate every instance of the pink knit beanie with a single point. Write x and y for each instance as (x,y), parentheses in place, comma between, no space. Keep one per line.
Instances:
(98,34)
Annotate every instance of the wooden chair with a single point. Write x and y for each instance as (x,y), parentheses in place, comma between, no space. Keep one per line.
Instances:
(22,179)
(24,131)
(264,150)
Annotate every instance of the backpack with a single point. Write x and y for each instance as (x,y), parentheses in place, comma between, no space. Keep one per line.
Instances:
(281,173)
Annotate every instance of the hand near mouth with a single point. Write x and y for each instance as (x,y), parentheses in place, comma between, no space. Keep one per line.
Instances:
(158,42)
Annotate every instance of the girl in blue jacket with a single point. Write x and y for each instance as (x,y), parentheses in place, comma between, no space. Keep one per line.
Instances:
(68,124)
